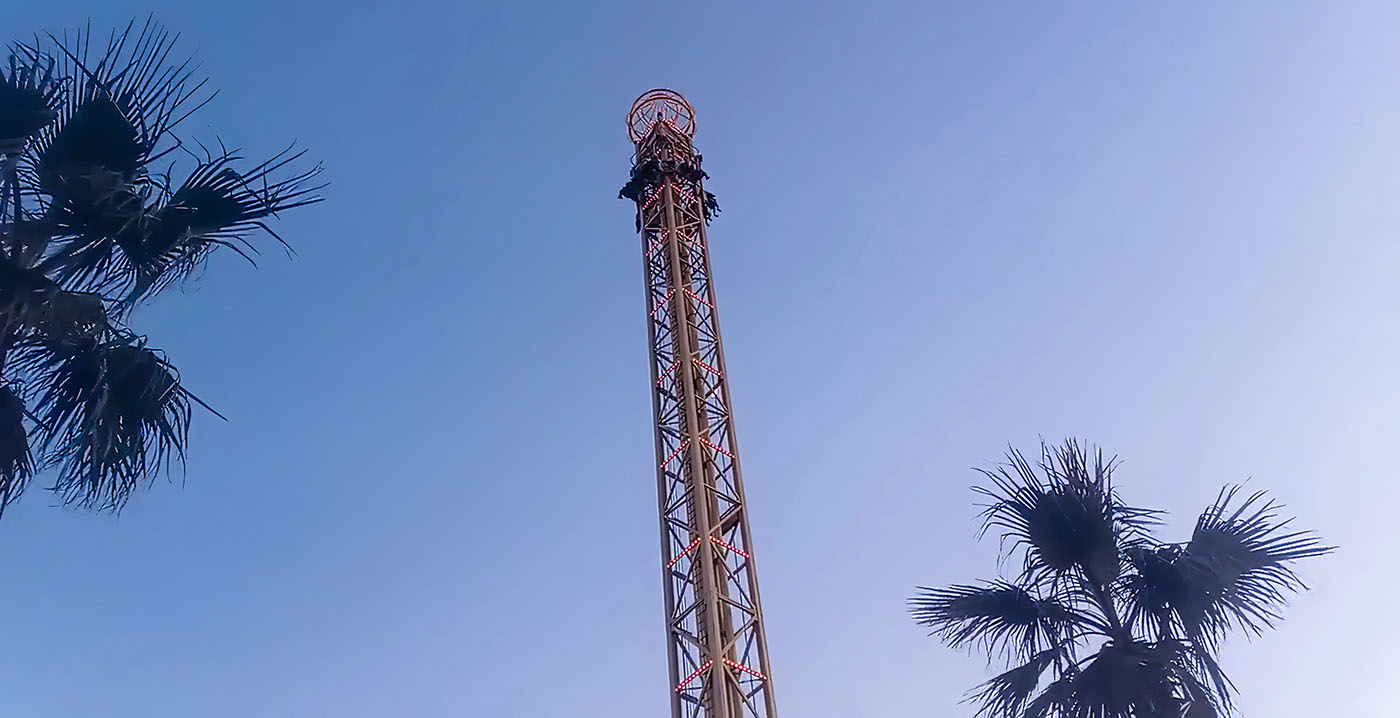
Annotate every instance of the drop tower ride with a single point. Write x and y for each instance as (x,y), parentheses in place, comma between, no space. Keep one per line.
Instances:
(715,643)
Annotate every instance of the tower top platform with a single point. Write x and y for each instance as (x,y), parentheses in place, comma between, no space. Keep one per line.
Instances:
(659,105)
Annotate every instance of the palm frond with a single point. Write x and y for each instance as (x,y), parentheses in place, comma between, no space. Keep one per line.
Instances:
(92,160)
(1200,709)
(69,318)
(1205,682)
(1150,587)
(16,462)
(1164,601)
(997,616)
(95,153)
(1197,682)
(29,97)
(1006,695)
(1238,565)
(1235,572)
(1125,679)
(1056,700)
(22,288)
(135,95)
(216,206)
(1121,677)
(113,415)
(1066,516)
(32,303)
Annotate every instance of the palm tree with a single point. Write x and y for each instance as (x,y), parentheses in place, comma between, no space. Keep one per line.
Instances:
(1103,620)
(102,207)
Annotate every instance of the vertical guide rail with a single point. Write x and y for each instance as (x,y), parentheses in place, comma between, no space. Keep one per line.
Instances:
(715,641)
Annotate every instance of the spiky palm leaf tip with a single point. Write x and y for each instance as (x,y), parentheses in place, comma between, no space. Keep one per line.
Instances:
(16,462)
(29,92)
(1103,620)
(216,206)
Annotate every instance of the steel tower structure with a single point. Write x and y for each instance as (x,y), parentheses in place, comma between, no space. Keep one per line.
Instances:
(714,622)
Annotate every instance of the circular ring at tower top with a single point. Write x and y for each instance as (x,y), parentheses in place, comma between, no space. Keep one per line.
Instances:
(656,105)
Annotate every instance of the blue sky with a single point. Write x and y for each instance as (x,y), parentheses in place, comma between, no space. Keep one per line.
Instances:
(1168,228)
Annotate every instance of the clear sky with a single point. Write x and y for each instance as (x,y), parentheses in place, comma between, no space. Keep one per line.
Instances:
(1170,228)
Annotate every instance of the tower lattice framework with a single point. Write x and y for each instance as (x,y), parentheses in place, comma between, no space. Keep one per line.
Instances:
(715,640)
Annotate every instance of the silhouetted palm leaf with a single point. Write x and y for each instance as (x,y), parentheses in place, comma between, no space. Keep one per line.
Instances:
(1055,701)
(1151,585)
(996,616)
(32,302)
(29,97)
(69,318)
(1125,679)
(1165,602)
(97,152)
(22,289)
(129,95)
(1205,689)
(1235,571)
(216,206)
(1006,695)
(113,416)
(16,462)
(1242,561)
(1065,517)
(92,161)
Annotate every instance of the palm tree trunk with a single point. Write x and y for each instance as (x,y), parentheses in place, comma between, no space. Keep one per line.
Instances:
(1110,612)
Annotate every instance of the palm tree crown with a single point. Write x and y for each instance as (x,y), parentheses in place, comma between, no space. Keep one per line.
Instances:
(1102,619)
(102,207)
